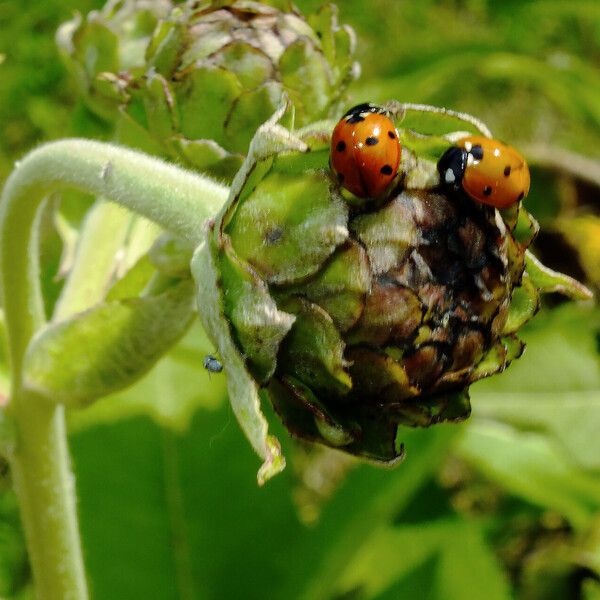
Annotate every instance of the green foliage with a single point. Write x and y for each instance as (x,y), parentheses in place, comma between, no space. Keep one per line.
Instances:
(107,347)
(506,506)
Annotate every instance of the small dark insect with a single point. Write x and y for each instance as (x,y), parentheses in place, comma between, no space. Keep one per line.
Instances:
(212,365)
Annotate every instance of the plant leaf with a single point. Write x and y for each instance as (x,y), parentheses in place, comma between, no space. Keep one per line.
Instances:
(243,390)
(555,387)
(530,466)
(170,394)
(546,280)
(106,348)
(525,302)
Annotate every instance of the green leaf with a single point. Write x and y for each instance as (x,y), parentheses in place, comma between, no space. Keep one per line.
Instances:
(170,394)
(583,233)
(251,109)
(243,390)
(468,562)
(134,281)
(546,280)
(288,226)
(462,560)
(341,286)
(591,590)
(106,348)
(369,499)
(171,494)
(313,352)
(377,375)
(14,566)
(375,567)
(206,156)
(159,102)
(258,324)
(205,97)
(525,302)
(555,387)
(175,492)
(531,467)
(387,234)
(305,75)
(569,417)
(171,255)
(498,357)
(252,66)
(526,228)
(164,49)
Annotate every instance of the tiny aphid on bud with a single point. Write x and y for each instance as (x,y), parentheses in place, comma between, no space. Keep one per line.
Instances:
(211,364)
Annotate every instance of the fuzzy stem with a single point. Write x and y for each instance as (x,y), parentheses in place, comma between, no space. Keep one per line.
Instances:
(45,488)
(401,109)
(175,199)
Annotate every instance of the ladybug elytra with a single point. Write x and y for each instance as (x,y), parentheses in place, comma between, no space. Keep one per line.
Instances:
(489,171)
(365,150)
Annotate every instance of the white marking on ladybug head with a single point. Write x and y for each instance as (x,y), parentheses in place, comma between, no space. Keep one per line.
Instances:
(449,176)
(468,146)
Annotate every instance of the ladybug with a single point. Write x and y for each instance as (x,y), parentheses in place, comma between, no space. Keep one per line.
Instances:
(489,171)
(365,150)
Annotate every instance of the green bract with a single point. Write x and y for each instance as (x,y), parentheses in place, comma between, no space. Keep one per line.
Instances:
(357,319)
(195,82)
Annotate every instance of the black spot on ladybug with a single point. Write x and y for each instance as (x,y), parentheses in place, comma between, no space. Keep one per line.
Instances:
(521,196)
(355,118)
(477,152)
(340,177)
(487,190)
(507,170)
(371,141)
(341,146)
(386,170)
(391,135)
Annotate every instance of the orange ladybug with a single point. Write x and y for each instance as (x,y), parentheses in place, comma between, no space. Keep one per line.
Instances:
(365,150)
(489,171)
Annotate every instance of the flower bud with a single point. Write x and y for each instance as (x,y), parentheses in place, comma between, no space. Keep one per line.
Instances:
(360,318)
(195,81)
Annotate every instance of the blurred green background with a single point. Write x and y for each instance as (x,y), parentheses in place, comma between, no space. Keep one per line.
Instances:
(504,506)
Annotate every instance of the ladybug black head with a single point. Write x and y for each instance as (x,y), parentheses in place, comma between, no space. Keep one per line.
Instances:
(451,167)
(365,107)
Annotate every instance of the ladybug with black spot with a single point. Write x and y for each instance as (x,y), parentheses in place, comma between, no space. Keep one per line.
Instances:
(365,151)
(489,171)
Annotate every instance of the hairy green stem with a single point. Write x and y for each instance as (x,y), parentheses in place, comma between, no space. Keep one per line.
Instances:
(102,235)
(45,487)
(175,199)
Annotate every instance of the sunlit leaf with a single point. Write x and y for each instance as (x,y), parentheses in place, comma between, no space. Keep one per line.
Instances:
(243,390)
(108,347)
(170,394)
(531,467)
(555,387)
(547,280)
